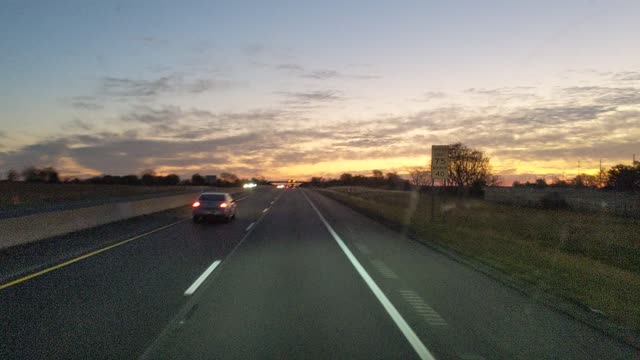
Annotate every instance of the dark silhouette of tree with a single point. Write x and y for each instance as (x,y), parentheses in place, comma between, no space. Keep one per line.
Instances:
(45,175)
(395,181)
(624,177)
(585,180)
(419,176)
(148,177)
(130,180)
(171,179)
(346,179)
(229,178)
(197,179)
(377,179)
(13,175)
(316,181)
(467,166)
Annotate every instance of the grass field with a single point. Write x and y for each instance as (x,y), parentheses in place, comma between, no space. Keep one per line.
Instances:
(18,194)
(591,259)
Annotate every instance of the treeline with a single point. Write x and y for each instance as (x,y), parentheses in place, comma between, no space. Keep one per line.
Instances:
(149,177)
(389,181)
(469,170)
(619,177)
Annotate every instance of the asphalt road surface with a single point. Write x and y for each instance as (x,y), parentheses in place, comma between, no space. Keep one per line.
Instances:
(297,275)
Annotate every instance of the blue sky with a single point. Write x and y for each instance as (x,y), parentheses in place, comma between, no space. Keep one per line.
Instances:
(301,87)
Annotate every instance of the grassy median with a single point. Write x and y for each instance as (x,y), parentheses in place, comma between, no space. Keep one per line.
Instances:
(591,259)
(22,194)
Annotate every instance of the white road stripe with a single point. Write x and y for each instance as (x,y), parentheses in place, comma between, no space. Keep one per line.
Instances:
(265,210)
(401,323)
(201,279)
(241,198)
(250,226)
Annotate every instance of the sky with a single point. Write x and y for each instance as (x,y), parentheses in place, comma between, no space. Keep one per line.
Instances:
(288,89)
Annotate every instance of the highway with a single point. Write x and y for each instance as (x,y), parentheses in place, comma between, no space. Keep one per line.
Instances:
(296,276)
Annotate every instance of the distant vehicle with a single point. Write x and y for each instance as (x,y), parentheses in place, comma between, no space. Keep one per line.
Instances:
(213,205)
(280,186)
(249,185)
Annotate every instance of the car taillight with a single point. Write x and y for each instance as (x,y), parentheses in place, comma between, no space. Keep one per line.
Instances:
(224,205)
(196,204)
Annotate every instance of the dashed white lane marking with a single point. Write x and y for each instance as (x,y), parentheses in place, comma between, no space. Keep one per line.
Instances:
(363,248)
(242,198)
(423,309)
(265,210)
(413,339)
(250,226)
(384,269)
(201,278)
(272,202)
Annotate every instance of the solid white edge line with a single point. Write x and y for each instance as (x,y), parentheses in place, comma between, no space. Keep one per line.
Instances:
(202,278)
(407,331)
(250,226)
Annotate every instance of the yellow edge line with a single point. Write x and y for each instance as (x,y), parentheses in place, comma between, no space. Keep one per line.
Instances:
(96,252)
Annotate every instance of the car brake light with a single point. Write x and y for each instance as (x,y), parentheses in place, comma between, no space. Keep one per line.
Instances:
(196,204)
(224,205)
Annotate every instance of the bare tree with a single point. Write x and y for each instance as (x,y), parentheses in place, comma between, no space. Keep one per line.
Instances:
(419,176)
(468,166)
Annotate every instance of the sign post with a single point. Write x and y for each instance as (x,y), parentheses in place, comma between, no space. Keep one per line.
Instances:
(439,169)
(440,162)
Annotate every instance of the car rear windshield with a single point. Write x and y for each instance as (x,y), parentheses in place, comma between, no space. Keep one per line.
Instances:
(213,197)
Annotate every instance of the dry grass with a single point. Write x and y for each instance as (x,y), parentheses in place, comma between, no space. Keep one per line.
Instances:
(19,194)
(591,259)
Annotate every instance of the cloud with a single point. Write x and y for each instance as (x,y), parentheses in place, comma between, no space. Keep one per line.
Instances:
(87,103)
(323,74)
(254,49)
(289,67)
(551,133)
(119,87)
(151,116)
(77,124)
(176,122)
(435,94)
(320,74)
(314,96)
(125,87)
(627,76)
(605,95)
